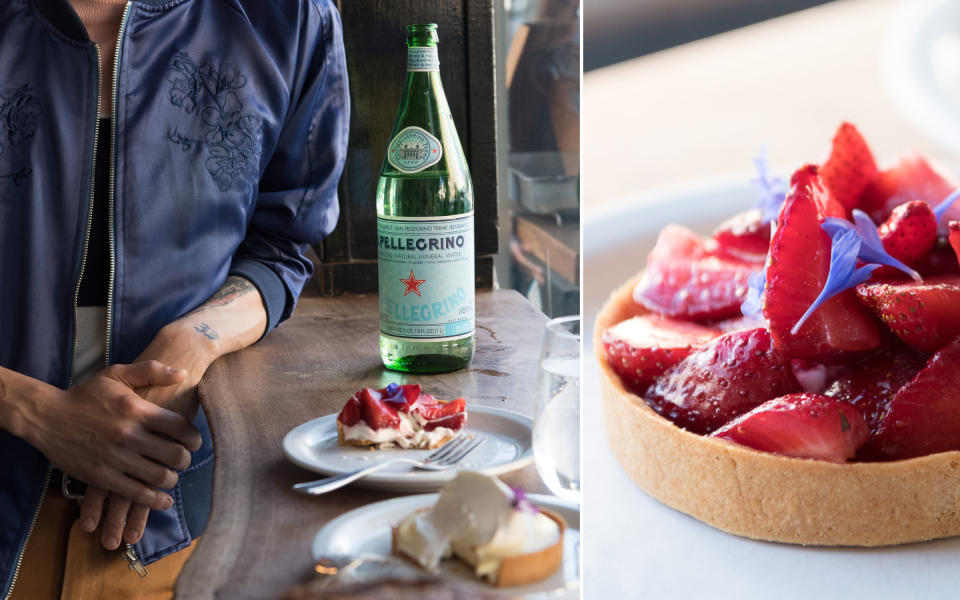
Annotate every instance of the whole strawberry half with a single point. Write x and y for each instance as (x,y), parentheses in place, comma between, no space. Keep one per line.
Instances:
(910,232)
(802,426)
(642,348)
(798,269)
(744,236)
(350,414)
(872,381)
(850,167)
(722,380)
(451,415)
(954,237)
(685,279)
(924,416)
(913,177)
(375,411)
(924,314)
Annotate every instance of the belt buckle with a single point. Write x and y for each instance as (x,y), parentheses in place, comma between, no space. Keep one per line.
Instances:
(66,481)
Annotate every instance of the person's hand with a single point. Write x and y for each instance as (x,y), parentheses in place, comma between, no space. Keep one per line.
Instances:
(122,519)
(102,432)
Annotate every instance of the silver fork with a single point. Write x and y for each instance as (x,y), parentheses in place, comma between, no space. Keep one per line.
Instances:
(445,457)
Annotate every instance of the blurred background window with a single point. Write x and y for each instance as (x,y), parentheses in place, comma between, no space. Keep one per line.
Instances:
(538,56)
(619,30)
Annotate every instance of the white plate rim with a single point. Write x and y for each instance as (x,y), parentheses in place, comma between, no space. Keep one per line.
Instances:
(422,479)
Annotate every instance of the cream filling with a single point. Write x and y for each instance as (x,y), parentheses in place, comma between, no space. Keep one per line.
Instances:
(474,518)
(409,434)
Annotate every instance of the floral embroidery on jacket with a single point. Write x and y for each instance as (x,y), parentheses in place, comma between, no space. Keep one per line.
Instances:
(232,137)
(19,119)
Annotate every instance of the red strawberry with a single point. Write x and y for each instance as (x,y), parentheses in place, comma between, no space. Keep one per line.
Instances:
(872,382)
(722,380)
(850,167)
(954,227)
(642,348)
(799,264)
(802,426)
(910,232)
(350,415)
(744,236)
(924,314)
(451,415)
(683,279)
(377,413)
(912,178)
(924,416)
(942,260)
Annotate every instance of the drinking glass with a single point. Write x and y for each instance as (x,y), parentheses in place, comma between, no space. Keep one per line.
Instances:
(556,424)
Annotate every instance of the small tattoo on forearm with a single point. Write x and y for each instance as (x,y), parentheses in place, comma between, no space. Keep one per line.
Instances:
(232,289)
(206,331)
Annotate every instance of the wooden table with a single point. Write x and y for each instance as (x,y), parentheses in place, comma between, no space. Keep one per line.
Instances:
(257,542)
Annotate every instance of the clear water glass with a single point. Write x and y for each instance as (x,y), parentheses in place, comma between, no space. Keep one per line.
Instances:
(556,423)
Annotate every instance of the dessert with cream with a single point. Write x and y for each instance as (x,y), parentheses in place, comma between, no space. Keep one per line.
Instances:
(793,376)
(495,529)
(399,416)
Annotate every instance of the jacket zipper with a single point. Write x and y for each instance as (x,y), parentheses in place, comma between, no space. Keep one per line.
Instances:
(76,318)
(128,552)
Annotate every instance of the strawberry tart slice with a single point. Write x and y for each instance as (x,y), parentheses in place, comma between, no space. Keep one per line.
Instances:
(399,416)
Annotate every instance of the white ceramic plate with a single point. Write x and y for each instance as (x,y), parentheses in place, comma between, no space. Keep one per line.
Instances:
(508,447)
(921,66)
(657,552)
(366,530)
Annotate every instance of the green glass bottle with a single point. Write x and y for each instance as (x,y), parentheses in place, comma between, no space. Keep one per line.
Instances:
(425,226)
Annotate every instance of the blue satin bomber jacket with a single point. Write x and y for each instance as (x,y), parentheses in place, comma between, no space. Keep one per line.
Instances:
(231,121)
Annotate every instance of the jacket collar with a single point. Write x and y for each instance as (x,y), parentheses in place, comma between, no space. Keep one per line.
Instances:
(62,16)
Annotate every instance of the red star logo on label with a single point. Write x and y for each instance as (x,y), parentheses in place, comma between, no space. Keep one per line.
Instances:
(413,284)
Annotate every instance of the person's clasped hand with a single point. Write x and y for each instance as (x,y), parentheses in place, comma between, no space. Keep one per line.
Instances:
(103,433)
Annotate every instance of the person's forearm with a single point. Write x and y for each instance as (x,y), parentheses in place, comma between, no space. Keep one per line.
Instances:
(17,392)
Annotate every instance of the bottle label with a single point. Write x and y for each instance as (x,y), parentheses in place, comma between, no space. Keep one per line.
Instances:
(414,149)
(426,277)
(423,59)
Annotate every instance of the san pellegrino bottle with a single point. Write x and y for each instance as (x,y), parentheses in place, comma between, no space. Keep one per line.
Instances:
(425,226)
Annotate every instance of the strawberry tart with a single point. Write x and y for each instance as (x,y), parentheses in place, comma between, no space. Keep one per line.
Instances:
(794,377)
(399,416)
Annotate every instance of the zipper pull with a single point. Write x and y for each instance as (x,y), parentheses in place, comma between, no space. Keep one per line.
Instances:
(133,561)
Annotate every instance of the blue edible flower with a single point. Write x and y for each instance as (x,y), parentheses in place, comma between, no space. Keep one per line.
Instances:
(844,274)
(753,304)
(947,203)
(773,190)
(871,247)
(521,502)
(395,394)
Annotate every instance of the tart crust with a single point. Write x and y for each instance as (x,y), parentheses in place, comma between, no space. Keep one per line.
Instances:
(769,497)
(519,569)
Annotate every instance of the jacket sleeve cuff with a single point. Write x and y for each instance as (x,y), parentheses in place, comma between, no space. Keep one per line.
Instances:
(268,283)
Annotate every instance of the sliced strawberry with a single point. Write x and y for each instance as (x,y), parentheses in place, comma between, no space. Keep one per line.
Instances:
(924,416)
(799,265)
(954,228)
(684,280)
(642,348)
(377,413)
(910,232)
(850,167)
(722,380)
(924,314)
(942,260)
(914,177)
(744,236)
(801,426)
(350,415)
(451,415)
(873,380)
(412,392)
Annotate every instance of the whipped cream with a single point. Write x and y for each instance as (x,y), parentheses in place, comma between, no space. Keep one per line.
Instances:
(408,434)
(474,518)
